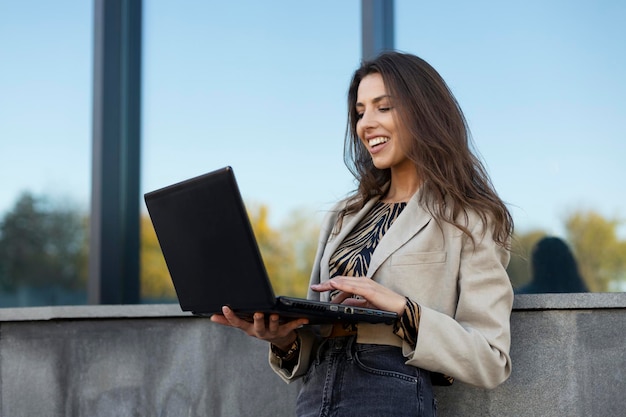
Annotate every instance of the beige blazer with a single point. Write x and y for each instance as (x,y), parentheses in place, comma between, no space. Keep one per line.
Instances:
(462,287)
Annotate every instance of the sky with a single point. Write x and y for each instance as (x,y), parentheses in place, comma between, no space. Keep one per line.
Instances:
(261,86)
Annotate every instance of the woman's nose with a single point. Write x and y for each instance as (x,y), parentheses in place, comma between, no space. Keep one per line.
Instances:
(368,120)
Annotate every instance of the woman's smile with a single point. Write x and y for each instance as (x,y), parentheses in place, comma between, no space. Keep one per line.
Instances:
(377,144)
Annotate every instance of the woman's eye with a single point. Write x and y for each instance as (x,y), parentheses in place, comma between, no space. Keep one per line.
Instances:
(384,109)
(359,116)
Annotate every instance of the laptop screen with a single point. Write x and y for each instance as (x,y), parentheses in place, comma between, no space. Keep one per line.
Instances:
(208,244)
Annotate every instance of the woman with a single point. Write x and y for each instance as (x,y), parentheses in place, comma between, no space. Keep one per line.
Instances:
(425,235)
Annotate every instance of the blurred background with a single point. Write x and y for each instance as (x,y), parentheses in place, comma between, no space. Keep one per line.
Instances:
(261,86)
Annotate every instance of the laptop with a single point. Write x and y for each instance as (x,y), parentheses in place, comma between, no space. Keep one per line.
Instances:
(214,260)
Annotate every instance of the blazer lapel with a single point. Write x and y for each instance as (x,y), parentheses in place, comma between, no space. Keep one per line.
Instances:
(410,222)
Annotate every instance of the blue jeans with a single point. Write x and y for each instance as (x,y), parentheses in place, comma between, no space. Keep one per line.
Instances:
(348,379)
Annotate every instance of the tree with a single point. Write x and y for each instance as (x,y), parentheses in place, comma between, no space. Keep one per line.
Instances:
(287,251)
(155,280)
(521,250)
(42,245)
(600,253)
(301,232)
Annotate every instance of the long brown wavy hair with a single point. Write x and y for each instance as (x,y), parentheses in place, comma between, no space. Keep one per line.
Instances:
(435,137)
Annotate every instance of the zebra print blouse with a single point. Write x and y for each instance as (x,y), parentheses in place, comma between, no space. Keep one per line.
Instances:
(352,258)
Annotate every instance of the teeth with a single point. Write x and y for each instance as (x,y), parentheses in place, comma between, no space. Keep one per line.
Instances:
(378,140)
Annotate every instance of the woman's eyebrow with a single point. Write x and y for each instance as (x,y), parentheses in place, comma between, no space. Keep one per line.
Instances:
(374,101)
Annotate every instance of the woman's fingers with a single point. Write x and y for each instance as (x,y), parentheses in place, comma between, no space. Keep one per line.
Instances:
(273,325)
(270,329)
(234,320)
(340,297)
(358,302)
(377,295)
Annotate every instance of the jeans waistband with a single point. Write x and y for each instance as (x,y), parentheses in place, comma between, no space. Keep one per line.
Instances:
(336,346)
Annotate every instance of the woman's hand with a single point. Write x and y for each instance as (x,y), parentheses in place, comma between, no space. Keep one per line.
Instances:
(280,335)
(373,295)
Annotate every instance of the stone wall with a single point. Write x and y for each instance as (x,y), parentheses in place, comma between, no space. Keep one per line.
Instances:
(152,360)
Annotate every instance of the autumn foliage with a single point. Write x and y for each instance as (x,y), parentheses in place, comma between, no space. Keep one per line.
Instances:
(287,251)
(44,250)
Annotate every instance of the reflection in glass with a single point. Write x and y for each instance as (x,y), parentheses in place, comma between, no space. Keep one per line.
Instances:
(554,269)
(45,115)
(43,254)
(262,89)
(547,124)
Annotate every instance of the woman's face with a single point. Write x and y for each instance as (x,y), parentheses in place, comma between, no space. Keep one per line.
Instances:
(376,125)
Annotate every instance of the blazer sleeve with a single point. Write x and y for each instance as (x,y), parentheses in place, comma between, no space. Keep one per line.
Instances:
(473,346)
(308,340)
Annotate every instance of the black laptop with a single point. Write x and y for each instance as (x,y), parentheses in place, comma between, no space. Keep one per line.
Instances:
(214,260)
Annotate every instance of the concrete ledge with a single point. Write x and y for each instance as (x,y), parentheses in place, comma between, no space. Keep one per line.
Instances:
(523,302)
(91,312)
(101,361)
(577,301)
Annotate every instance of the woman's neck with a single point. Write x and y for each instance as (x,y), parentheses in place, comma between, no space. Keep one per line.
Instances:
(402,187)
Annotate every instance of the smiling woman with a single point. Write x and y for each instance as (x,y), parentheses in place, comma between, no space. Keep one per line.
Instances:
(376,127)
(424,236)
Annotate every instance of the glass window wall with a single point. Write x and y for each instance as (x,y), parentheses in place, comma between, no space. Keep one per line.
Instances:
(45,155)
(259,86)
(542,85)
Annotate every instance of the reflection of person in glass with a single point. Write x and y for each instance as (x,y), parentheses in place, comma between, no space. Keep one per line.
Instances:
(554,269)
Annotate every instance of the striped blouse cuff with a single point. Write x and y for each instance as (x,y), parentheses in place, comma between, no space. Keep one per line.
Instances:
(407,326)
